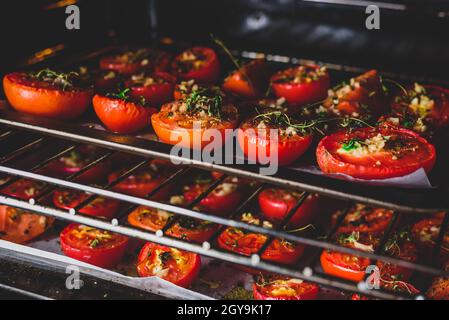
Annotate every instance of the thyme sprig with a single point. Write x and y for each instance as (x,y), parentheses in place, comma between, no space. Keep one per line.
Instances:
(60,79)
(199,100)
(123,95)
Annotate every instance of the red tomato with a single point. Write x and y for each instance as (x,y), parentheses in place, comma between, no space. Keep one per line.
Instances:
(121,115)
(24,189)
(178,267)
(425,234)
(130,62)
(363,96)
(185,228)
(143,182)
(223,200)
(375,153)
(398,286)
(283,288)
(76,160)
(439,290)
(357,296)
(175,123)
(47,94)
(301,84)
(106,81)
(157,88)
(250,81)
(257,143)
(276,203)
(198,63)
(99,207)
(98,247)
(364,219)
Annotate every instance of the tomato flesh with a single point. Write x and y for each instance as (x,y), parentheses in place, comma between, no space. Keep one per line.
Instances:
(198,63)
(281,288)
(156,92)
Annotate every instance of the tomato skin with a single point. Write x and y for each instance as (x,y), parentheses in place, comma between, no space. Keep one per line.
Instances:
(256,72)
(330,162)
(155,94)
(300,93)
(275,207)
(330,266)
(364,219)
(34,98)
(424,234)
(310,294)
(182,278)
(208,72)
(101,257)
(100,207)
(408,252)
(121,116)
(288,149)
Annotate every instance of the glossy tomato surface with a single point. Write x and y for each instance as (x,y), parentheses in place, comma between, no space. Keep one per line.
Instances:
(157,88)
(282,288)
(176,266)
(133,61)
(375,153)
(198,63)
(425,234)
(98,247)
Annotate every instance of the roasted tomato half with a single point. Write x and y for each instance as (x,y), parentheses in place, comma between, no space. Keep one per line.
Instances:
(364,219)
(276,203)
(156,88)
(273,136)
(48,93)
(439,290)
(99,207)
(362,97)
(17,225)
(198,63)
(247,243)
(177,266)
(185,228)
(195,121)
(98,247)
(283,288)
(134,61)
(143,181)
(250,81)
(301,84)
(106,81)
(349,266)
(375,153)
(425,234)
(121,113)
(422,108)
(401,246)
(187,87)
(223,200)
(77,159)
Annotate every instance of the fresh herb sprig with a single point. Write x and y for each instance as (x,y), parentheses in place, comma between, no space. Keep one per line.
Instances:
(60,79)
(123,95)
(199,100)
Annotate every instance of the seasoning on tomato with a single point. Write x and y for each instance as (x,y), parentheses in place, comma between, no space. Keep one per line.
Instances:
(196,121)
(177,266)
(157,88)
(223,200)
(439,290)
(348,266)
(133,61)
(425,234)
(276,287)
(48,93)
(375,153)
(246,243)
(185,227)
(143,181)
(106,81)
(302,84)
(363,97)
(185,88)
(274,136)
(198,63)
(98,247)
(364,219)
(249,81)
(99,207)
(276,203)
(119,112)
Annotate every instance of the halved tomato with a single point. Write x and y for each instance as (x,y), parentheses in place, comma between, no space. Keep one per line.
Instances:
(276,203)
(301,84)
(375,153)
(425,234)
(284,288)
(106,81)
(48,94)
(250,81)
(99,207)
(273,136)
(195,122)
(98,247)
(119,113)
(177,266)
(157,88)
(24,189)
(439,290)
(198,63)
